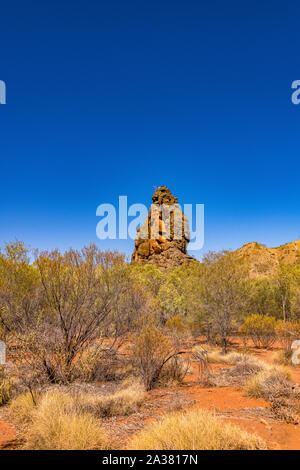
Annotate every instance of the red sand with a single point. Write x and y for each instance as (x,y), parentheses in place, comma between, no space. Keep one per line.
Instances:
(229,402)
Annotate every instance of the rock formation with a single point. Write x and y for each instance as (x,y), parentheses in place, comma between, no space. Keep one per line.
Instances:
(162,239)
(263,261)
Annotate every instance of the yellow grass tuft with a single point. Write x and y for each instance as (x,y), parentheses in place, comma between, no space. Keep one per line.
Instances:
(57,426)
(273,382)
(233,358)
(23,405)
(121,403)
(196,430)
(283,357)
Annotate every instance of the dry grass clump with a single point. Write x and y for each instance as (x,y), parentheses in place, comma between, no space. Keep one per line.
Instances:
(273,382)
(215,357)
(283,357)
(173,372)
(285,410)
(23,405)
(62,419)
(5,387)
(121,403)
(57,426)
(245,366)
(196,430)
(235,358)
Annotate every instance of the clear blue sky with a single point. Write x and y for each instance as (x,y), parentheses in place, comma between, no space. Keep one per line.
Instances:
(109,98)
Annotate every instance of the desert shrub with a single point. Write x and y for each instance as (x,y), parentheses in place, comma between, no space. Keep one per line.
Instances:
(151,350)
(261,329)
(88,364)
(274,382)
(195,430)
(245,365)
(5,387)
(23,405)
(57,426)
(100,363)
(81,294)
(200,357)
(245,338)
(287,332)
(175,324)
(174,371)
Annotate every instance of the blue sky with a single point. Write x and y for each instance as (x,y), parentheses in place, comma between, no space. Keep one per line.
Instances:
(109,98)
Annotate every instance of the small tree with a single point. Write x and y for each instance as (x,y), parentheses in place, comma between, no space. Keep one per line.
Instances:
(20,289)
(80,289)
(285,284)
(224,292)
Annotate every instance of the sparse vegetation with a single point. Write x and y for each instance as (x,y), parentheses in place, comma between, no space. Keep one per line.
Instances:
(73,320)
(234,359)
(272,382)
(195,430)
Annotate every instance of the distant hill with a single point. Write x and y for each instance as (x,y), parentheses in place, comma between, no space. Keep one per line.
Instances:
(263,261)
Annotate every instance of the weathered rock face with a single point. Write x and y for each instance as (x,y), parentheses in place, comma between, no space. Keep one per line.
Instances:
(162,239)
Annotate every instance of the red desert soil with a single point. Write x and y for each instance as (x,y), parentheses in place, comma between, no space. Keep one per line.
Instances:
(7,436)
(229,403)
(232,404)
